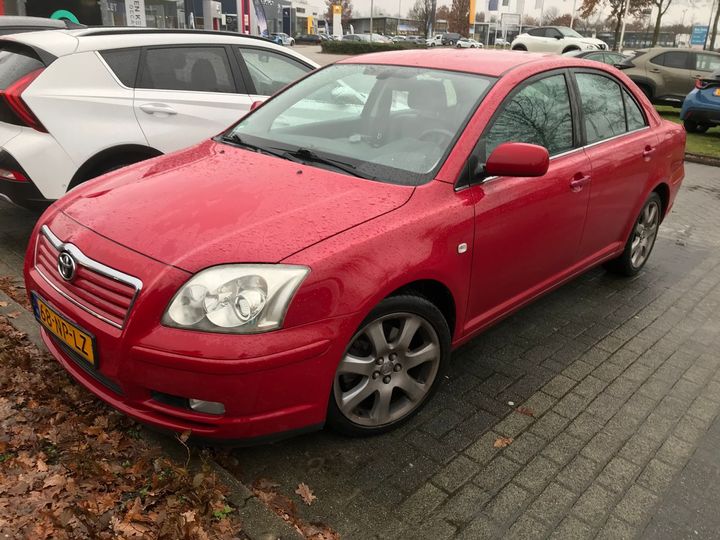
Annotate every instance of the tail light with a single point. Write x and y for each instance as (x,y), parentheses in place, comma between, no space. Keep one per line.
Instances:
(699,83)
(13,97)
(13,175)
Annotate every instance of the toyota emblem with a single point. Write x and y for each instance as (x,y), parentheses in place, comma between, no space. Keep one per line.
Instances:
(66,266)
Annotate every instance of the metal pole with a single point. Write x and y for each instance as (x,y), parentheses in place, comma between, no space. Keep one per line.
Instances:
(709,27)
(371,14)
(542,9)
(622,30)
(572,15)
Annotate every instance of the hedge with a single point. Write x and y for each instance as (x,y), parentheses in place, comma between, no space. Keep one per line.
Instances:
(362,47)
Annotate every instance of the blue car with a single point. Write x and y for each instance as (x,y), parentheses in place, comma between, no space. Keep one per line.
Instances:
(701,108)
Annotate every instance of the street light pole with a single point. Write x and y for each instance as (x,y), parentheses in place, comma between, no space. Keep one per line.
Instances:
(572,14)
(371,21)
(622,30)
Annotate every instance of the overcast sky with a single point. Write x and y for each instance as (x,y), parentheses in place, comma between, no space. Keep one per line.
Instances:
(696,11)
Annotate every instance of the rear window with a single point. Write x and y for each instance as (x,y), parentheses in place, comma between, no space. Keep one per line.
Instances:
(16,64)
(123,63)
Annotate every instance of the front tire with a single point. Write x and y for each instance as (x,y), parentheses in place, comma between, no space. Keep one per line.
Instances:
(642,239)
(391,367)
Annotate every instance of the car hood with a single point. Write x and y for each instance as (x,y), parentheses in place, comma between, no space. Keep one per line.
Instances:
(215,203)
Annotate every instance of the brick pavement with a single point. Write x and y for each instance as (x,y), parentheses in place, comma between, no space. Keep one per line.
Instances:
(623,379)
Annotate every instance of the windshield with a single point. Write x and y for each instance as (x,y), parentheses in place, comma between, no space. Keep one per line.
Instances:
(568,32)
(389,123)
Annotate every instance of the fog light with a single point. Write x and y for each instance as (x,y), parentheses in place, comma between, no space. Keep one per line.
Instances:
(207,407)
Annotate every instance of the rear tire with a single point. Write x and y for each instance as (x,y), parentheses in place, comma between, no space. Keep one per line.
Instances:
(392,366)
(519,48)
(694,127)
(642,238)
(568,49)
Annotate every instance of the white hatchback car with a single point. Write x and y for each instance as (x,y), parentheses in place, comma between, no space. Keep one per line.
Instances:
(555,39)
(79,103)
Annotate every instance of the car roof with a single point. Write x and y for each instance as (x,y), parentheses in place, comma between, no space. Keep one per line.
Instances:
(482,62)
(39,22)
(64,42)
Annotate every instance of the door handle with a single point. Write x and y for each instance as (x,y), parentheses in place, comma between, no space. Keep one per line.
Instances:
(578,182)
(654,70)
(648,151)
(152,108)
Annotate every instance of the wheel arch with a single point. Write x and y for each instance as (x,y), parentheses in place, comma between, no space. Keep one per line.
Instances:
(437,293)
(663,191)
(570,48)
(113,153)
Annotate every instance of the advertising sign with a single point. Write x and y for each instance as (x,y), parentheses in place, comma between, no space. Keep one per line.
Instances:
(698,35)
(135,12)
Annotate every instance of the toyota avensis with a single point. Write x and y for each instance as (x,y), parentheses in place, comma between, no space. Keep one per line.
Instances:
(299,269)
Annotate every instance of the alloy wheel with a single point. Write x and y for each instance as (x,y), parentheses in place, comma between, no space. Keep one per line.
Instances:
(387,370)
(644,235)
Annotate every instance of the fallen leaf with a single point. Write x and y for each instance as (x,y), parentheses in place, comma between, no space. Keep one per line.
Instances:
(527,411)
(184,436)
(13,315)
(305,493)
(502,442)
(3,303)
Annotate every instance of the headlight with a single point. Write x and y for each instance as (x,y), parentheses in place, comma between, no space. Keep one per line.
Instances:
(235,298)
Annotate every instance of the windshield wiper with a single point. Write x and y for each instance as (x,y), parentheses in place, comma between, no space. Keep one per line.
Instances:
(308,156)
(235,139)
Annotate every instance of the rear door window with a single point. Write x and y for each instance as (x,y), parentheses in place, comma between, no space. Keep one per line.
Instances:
(271,71)
(673,59)
(602,107)
(707,62)
(123,63)
(194,69)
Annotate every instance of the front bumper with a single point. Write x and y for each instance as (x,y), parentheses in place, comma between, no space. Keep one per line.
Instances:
(702,116)
(269,384)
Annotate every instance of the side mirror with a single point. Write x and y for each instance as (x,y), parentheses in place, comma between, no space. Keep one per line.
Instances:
(517,159)
(255,105)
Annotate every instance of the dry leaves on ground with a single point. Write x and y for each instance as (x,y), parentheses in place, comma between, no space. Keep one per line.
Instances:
(70,467)
(502,442)
(15,289)
(305,493)
(527,411)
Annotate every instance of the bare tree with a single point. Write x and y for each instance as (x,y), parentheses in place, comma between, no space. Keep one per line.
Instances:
(662,6)
(617,11)
(422,11)
(550,14)
(459,20)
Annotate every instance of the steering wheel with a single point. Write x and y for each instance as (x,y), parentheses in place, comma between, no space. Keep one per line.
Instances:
(431,135)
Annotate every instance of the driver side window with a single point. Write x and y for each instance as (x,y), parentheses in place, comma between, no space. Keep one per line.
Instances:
(539,113)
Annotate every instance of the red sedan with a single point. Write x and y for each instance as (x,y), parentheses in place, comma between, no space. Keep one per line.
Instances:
(317,263)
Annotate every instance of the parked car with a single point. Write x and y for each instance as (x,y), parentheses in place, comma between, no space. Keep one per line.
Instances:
(501,42)
(376,38)
(434,41)
(309,39)
(555,39)
(13,24)
(667,75)
(701,108)
(398,39)
(606,57)
(450,38)
(320,273)
(282,38)
(468,43)
(94,100)
(416,39)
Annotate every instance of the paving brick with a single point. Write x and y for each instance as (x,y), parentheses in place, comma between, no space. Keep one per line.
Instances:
(704,409)
(656,426)
(524,448)
(539,403)
(549,425)
(480,528)
(604,406)
(513,424)
(602,447)
(636,505)
(465,504)
(496,474)
(553,503)
(455,473)
(442,423)
(572,527)
(607,372)
(585,426)
(639,449)
(437,529)
(657,476)
(690,429)
(419,505)
(559,386)
(537,474)
(615,529)
(578,370)
(508,503)
(563,448)
(483,450)
(594,504)
(579,473)
(571,405)
(674,451)
(527,528)
(618,474)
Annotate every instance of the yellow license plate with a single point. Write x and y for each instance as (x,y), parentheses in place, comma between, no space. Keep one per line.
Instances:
(80,342)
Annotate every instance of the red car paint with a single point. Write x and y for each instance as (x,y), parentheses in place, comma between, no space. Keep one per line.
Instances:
(165,219)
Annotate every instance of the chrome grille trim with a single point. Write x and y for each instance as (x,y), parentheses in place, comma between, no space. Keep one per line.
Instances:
(93,265)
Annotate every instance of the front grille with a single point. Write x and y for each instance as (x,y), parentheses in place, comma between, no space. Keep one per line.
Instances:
(96,288)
